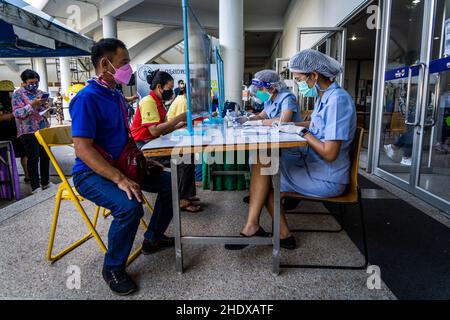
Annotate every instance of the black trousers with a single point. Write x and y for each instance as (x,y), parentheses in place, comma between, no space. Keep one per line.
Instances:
(186,175)
(186,181)
(37,159)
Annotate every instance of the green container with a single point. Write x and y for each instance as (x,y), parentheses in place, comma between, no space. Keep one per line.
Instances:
(225,183)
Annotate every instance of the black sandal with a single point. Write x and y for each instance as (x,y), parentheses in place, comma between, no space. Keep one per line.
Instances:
(191,208)
(289,243)
(261,233)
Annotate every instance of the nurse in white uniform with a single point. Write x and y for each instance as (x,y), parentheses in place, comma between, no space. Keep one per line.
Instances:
(322,169)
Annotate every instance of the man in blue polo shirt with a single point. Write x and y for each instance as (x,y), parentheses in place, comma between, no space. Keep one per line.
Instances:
(98,121)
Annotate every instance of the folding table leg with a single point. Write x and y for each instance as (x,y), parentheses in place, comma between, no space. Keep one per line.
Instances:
(276,224)
(176,216)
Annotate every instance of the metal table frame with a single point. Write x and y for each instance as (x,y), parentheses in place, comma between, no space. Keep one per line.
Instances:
(164,147)
(216,240)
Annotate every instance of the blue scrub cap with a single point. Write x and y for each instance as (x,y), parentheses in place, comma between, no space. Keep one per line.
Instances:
(308,61)
(268,79)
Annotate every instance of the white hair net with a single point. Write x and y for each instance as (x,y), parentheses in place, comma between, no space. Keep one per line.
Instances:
(270,76)
(308,61)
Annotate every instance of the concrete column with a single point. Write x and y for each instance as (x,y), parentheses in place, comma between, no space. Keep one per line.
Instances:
(66,81)
(231,37)
(40,66)
(109,27)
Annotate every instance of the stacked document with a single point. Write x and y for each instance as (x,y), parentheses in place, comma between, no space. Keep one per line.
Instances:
(257,131)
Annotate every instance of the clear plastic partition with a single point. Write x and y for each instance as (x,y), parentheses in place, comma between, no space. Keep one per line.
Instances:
(198,67)
(220,77)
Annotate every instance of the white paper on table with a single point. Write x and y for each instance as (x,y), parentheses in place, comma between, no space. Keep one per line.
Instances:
(251,131)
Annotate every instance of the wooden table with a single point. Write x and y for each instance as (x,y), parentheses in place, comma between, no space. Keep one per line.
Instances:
(222,139)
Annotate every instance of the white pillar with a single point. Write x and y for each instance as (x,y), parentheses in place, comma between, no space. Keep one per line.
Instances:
(40,66)
(66,81)
(109,27)
(231,29)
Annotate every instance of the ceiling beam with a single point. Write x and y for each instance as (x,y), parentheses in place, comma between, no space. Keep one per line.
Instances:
(258,23)
(14,15)
(38,4)
(146,42)
(172,16)
(107,8)
(168,16)
(116,7)
(12,65)
(161,41)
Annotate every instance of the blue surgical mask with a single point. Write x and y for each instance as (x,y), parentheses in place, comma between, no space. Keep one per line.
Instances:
(306,91)
(263,96)
(32,87)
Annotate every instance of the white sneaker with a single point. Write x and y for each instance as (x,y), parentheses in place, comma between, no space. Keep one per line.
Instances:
(50,185)
(439,148)
(406,162)
(391,152)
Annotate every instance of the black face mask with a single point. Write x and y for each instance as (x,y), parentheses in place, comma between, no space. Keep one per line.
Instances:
(167,95)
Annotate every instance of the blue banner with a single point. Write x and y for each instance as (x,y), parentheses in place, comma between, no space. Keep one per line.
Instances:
(436,66)
(440,65)
(400,73)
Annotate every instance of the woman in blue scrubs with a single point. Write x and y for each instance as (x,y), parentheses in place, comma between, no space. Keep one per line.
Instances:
(280,104)
(322,169)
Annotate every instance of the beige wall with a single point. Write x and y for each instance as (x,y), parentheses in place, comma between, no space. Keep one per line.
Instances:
(313,13)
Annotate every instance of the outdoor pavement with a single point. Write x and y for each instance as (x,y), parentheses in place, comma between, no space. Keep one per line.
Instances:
(211,272)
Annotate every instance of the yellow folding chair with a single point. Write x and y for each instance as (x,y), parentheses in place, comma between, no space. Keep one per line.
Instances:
(58,137)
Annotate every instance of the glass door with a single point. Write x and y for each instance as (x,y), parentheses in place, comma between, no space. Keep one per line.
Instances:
(403,77)
(433,180)
(411,135)
(330,41)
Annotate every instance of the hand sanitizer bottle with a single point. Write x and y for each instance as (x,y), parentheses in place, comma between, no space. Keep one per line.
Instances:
(229,119)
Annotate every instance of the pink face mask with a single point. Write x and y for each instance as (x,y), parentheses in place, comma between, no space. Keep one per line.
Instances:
(123,74)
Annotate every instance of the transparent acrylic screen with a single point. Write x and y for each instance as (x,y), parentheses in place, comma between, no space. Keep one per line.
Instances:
(199,66)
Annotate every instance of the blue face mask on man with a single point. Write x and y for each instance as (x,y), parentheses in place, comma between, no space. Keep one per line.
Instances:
(306,91)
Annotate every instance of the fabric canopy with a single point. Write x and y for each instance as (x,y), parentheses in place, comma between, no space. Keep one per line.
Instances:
(26,32)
